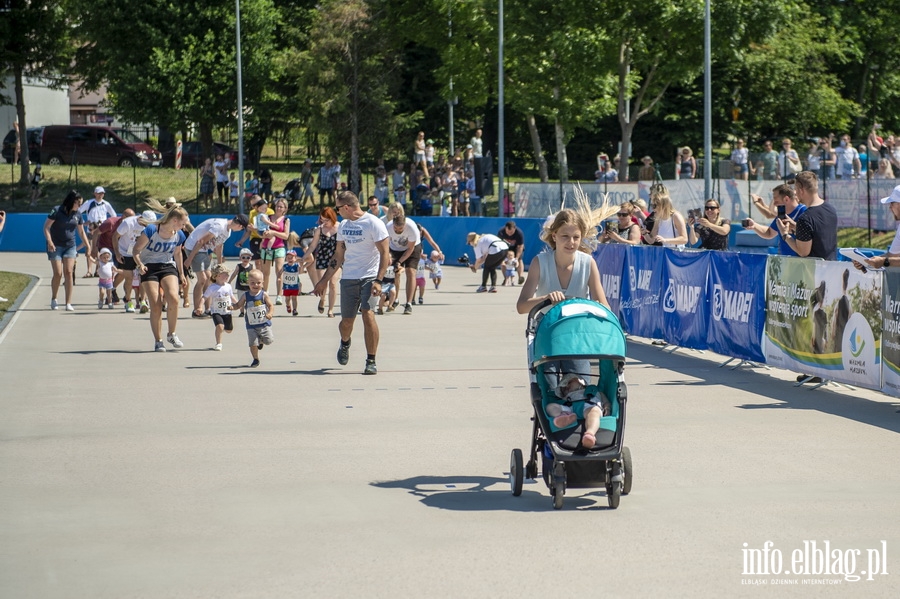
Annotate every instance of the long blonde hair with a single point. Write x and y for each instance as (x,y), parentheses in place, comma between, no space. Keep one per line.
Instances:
(659,195)
(177,212)
(582,216)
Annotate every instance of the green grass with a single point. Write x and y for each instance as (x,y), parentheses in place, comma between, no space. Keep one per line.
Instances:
(11,285)
(859,238)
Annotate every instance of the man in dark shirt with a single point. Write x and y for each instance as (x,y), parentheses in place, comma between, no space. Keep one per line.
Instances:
(815,231)
(516,241)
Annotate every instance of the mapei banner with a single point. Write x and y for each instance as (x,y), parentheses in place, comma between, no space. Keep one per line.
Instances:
(890,348)
(610,259)
(684,301)
(639,307)
(738,312)
(824,319)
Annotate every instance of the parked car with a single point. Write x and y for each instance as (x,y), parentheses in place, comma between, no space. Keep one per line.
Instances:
(96,145)
(192,154)
(34,144)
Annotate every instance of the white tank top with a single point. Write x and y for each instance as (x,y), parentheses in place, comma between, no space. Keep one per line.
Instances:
(578,284)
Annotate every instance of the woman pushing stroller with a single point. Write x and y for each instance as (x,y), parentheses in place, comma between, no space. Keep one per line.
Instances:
(569,271)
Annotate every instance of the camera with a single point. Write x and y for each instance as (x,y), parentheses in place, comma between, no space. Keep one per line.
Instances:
(464,259)
(694,213)
(746,223)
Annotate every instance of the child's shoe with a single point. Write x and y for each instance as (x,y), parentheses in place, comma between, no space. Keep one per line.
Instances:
(217,347)
(110,306)
(254,363)
(421,301)
(99,304)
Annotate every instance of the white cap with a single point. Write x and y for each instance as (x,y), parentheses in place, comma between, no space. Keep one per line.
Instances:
(246,252)
(106,251)
(149,215)
(99,189)
(894,197)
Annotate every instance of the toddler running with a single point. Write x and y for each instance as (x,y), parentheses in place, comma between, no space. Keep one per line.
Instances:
(220,298)
(107,271)
(420,279)
(258,309)
(435,272)
(290,281)
(510,266)
(241,271)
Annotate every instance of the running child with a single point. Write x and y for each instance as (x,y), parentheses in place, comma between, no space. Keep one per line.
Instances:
(258,309)
(388,291)
(107,271)
(220,296)
(241,271)
(290,281)
(435,272)
(510,266)
(420,279)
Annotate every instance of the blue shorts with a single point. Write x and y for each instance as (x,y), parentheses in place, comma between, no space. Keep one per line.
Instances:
(60,252)
(742,168)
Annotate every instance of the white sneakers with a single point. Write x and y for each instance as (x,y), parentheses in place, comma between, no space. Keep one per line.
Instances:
(54,305)
(69,308)
(174,340)
(218,347)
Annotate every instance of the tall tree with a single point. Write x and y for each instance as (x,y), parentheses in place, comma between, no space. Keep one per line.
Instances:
(351,75)
(36,43)
(174,63)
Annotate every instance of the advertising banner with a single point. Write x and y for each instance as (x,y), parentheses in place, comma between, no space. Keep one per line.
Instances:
(639,307)
(890,347)
(684,302)
(824,319)
(610,259)
(737,288)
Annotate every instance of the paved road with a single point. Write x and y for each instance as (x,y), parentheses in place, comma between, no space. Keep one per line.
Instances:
(125,473)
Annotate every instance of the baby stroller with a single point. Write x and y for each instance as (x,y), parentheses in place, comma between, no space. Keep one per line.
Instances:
(576,341)
(293,191)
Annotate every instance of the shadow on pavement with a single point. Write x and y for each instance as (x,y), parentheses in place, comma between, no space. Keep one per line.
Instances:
(827,400)
(474,494)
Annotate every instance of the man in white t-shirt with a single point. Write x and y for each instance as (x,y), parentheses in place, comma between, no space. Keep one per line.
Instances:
(406,249)
(363,252)
(93,213)
(129,229)
(477,144)
(848,164)
(209,236)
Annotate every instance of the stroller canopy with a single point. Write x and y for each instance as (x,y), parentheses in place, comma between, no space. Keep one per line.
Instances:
(578,327)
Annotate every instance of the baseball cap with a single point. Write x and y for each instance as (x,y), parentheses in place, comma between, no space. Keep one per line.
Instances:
(148,215)
(99,189)
(291,252)
(430,141)
(894,197)
(246,252)
(242,219)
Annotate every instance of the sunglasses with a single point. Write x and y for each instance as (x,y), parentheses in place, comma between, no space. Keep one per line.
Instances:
(624,214)
(245,257)
(711,207)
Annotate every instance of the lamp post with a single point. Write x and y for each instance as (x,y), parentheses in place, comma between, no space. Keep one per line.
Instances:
(240,101)
(707,105)
(501,149)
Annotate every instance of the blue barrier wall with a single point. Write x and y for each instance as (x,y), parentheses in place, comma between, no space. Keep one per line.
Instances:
(23,232)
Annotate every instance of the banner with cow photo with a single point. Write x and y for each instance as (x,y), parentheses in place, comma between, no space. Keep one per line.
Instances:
(824,319)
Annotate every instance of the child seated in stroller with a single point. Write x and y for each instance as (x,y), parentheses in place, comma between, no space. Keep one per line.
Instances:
(577,400)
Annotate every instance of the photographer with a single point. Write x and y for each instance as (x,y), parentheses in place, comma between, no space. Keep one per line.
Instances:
(786,204)
(712,229)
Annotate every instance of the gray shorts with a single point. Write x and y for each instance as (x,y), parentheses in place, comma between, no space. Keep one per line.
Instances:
(259,335)
(355,293)
(201,262)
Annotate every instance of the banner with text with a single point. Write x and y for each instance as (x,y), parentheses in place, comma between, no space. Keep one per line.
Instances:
(824,319)
(643,271)
(610,259)
(890,345)
(685,305)
(737,287)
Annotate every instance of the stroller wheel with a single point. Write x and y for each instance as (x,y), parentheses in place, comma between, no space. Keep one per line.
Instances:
(516,472)
(626,465)
(614,488)
(557,492)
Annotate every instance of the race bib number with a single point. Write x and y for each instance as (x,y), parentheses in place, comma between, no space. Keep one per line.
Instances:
(257,315)
(290,278)
(222,305)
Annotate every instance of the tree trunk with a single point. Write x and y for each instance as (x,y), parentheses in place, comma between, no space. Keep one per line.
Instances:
(561,151)
(539,159)
(206,139)
(354,179)
(24,157)
(860,98)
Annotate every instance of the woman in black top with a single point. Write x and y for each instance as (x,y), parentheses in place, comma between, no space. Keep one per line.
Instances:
(60,229)
(711,228)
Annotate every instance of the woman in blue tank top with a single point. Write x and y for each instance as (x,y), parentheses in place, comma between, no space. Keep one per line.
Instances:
(158,257)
